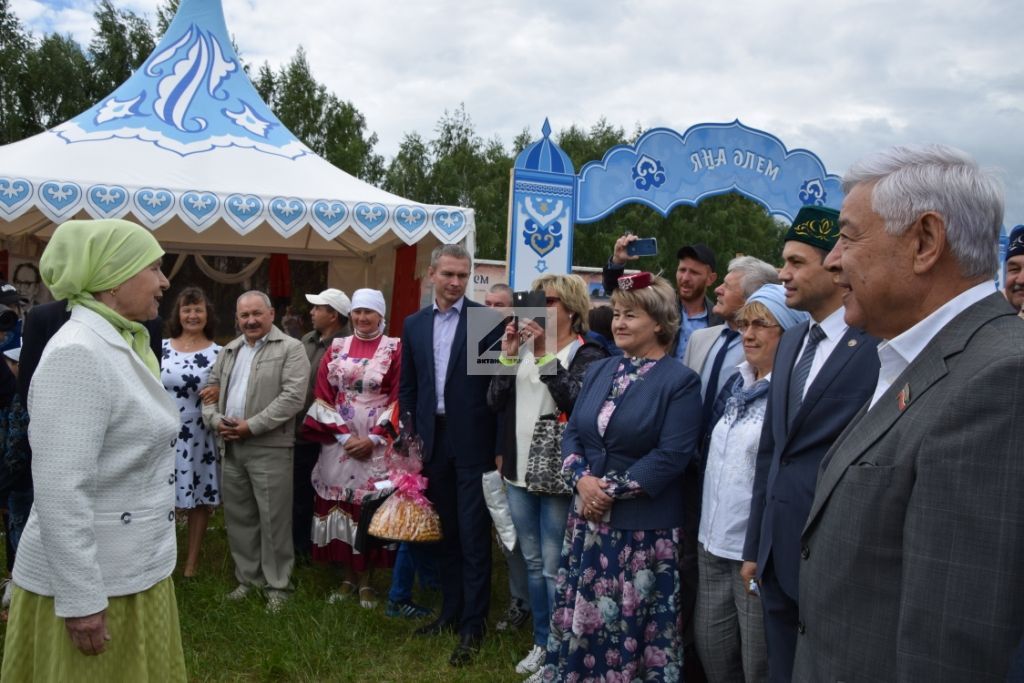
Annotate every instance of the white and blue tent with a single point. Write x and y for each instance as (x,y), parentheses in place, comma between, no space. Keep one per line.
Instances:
(187,148)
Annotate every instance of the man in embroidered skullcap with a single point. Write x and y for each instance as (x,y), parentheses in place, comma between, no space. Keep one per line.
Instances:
(1014,285)
(824,372)
(911,553)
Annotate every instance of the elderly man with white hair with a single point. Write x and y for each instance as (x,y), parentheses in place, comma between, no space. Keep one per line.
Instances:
(912,551)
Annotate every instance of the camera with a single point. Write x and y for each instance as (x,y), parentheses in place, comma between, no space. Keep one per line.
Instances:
(525,300)
(8,318)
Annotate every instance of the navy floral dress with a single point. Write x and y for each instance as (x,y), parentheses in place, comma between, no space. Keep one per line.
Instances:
(616,616)
(184,375)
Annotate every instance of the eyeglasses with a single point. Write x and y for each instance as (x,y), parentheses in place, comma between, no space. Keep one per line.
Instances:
(756,323)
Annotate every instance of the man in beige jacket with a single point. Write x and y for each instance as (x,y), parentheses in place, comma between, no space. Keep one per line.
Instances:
(262,377)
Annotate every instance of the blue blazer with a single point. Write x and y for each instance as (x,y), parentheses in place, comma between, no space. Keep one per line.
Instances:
(652,436)
(788,458)
(471,424)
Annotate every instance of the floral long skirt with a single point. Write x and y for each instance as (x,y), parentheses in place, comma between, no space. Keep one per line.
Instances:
(616,617)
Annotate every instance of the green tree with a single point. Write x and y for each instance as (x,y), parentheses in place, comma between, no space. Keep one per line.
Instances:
(331,127)
(60,81)
(14,46)
(165,15)
(408,173)
(121,42)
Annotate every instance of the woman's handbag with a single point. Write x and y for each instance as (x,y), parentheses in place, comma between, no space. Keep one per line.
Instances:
(544,462)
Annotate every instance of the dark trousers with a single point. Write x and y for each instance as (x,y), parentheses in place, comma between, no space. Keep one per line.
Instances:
(780,625)
(306,455)
(464,553)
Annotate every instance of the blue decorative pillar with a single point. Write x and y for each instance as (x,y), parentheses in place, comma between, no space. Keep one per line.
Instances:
(541,215)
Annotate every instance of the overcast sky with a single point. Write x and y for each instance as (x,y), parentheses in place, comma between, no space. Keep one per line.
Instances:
(838,78)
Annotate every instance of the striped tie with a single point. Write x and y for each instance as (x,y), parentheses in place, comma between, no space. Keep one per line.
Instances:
(802,369)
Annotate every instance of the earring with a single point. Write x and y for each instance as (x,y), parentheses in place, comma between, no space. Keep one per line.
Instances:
(113,292)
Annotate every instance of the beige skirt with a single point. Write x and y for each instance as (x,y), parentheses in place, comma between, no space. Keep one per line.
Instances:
(144,645)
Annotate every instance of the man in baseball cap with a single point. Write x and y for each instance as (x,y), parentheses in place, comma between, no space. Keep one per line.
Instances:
(329,316)
(1014,286)
(694,276)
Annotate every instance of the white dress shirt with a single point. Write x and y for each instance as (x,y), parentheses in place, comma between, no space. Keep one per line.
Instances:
(238,387)
(900,351)
(834,327)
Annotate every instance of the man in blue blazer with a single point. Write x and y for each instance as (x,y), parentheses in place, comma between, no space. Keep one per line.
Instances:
(824,372)
(448,406)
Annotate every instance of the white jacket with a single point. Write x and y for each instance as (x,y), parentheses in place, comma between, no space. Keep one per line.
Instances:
(102,430)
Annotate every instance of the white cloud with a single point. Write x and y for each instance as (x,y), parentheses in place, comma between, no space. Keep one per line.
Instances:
(841,79)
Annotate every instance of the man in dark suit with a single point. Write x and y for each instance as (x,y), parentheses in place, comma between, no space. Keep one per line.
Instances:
(824,372)
(695,275)
(915,540)
(43,321)
(449,410)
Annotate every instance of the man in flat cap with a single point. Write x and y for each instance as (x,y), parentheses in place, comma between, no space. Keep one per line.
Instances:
(824,372)
(1014,285)
(912,552)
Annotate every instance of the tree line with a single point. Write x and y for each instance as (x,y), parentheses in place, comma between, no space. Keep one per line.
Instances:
(46,80)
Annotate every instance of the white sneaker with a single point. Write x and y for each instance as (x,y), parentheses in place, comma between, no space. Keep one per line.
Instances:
(536,677)
(240,592)
(532,662)
(275,601)
(5,602)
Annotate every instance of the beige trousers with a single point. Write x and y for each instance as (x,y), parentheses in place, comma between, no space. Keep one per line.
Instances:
(256,487)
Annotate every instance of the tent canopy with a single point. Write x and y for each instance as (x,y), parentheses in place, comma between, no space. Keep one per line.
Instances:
(187,148)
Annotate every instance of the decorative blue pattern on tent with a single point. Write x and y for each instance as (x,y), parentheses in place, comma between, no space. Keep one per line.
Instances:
(190,96)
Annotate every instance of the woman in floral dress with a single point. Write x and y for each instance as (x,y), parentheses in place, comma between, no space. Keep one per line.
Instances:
(187,358)
(356,383)
(633,430)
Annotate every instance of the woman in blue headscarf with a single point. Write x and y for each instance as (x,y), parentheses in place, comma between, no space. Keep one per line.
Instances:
(93,597)
(728,622)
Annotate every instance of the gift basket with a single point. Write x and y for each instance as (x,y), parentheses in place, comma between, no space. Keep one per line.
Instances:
(406,514)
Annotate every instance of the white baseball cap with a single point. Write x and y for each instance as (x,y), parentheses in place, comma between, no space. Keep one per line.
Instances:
(335,298)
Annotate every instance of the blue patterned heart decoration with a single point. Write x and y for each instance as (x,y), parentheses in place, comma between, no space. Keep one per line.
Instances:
(243,211)
(14,192)
(450,222)
(198,207)
(328,215)
(411,218)
(60,198)
(107,200)
(370,216)
(152,204)
(286,213)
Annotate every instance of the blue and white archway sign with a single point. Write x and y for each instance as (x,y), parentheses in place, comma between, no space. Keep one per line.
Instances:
(664,169)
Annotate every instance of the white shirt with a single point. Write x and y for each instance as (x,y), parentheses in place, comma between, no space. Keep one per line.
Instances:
(897,353)
(834,327)
(238,386)
(729,476)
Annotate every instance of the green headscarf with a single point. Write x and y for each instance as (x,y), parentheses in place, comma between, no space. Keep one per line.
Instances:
(85,257)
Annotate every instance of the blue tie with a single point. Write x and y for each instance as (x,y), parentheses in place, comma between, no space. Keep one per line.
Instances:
(716,369)
(802,369)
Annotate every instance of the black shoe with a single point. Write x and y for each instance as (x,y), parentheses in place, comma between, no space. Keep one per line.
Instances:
(468,647)
(436,627)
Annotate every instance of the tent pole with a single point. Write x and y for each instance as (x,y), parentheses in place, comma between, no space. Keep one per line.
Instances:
(470,244)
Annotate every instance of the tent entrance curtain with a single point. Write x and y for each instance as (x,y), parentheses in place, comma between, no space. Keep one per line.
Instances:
(217,276)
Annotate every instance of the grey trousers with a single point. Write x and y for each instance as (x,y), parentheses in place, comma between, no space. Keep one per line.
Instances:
(256,487)
(728,623)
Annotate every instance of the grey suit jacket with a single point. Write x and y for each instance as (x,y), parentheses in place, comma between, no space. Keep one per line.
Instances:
(913,549)
(699,346)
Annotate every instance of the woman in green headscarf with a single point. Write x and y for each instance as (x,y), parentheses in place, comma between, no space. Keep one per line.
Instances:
(93,597)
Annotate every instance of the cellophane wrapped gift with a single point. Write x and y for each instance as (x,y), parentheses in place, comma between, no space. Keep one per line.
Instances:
(406,515)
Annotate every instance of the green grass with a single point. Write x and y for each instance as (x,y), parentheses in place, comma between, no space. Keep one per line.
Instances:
(310,640)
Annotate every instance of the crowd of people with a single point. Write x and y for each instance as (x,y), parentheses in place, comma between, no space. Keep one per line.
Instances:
(814,478)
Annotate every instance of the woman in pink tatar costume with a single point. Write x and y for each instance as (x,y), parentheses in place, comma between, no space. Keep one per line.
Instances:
(356,384)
